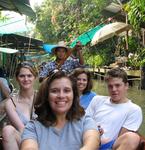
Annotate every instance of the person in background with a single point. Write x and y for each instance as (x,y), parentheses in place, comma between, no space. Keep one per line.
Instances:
(116,116)
(42,66)
(19,107)
(62,61)
(4,86)
(61,123)
(84,84)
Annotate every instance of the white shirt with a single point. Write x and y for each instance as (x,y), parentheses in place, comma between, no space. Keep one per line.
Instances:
(112,117)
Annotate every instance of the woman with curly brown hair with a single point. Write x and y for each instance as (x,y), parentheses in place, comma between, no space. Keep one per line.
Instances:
(61,123)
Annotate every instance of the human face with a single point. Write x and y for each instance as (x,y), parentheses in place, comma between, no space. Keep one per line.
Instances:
(25,78)
(60,53)
(117,90)
(61,96)
(82,82)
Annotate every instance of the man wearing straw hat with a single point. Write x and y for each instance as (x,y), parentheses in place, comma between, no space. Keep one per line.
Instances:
(63,61)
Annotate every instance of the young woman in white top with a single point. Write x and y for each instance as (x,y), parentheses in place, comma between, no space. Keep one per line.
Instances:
(19,107)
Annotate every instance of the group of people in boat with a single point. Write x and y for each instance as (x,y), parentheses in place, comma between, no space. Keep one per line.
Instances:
(65,114)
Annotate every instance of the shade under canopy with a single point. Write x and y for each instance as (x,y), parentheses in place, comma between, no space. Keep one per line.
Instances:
(15,41)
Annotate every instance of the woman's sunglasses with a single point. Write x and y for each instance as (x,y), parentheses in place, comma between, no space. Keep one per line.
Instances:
(53,72)
(25,63)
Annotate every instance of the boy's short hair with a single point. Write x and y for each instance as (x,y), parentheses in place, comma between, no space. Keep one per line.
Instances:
(116,73)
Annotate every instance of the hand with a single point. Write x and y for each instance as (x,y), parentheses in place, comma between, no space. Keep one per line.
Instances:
(78,46)
(101,131)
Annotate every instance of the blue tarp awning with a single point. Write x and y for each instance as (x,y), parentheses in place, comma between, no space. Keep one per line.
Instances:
(47,47)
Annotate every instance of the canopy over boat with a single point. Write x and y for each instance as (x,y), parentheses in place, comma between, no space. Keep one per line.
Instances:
(8,50)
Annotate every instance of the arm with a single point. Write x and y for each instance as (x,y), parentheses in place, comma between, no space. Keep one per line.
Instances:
(91,140)
(43,72)
(81,59)
(29,144)
(122,131)
(133,121)
(78,48)
(13,116)
(5,90)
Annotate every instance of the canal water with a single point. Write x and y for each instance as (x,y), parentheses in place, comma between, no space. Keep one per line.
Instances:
(134,93)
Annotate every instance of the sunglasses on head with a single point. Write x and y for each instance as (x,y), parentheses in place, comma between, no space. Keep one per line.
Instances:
(52,72)
(23,64)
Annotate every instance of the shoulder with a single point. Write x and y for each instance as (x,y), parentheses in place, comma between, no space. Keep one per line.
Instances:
(32,130)
(49,63)
(88,122)
(84,123)
(9,106)
(133,106)
(9,102)
(88,95)
(100,99)
(93,93)
(72,60)
(3,81)
(35,126)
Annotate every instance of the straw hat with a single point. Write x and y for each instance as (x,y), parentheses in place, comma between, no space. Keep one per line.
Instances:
(60,44)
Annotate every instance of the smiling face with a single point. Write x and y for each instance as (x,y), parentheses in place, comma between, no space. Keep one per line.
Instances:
(25,78)
(61,96)
(82,82)
(117,90)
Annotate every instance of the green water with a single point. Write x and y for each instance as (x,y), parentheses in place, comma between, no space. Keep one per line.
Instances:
(136,95)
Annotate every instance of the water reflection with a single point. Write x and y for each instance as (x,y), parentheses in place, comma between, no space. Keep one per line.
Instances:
(136,95)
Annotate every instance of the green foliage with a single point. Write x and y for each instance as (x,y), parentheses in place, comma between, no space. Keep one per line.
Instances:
(136,12)
(136,16)
(133,44)
(137,59)
(106,50)
(66,19)
(93,60)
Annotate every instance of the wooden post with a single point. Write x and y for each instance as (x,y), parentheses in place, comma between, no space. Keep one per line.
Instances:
(143,67)
(126,37)
(143,77)
(143,37)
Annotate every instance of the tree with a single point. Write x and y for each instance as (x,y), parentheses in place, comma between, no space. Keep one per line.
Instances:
(66,19)
(136,13)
